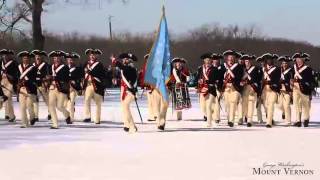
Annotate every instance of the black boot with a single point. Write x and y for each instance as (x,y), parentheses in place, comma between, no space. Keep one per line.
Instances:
(273,122)
(87,120)
(151,120)
(230,124)
(49,117)
(306,123)
(54,127)
(126,129)
(161,127)
(283,116)
(68,120)
(297,124)
(245,119)
(36,119)
(218,121)
(205,118)
(7,118)
(33,121)
(12,120)
(268,126)
(249,124)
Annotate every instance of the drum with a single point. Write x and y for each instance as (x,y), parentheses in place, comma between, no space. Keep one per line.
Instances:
(181,98)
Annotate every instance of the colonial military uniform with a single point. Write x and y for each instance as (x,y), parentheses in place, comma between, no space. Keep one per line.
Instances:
(216,107)
(41,82)
(285,89)
(251,89)
(231,88)
(75,77)
(179,87)
(58,90)
(3,98)
(303,85)
(93,85)
(27,90)
(261,96)
(270,86)
(207,76)
(129,80)
(9,73)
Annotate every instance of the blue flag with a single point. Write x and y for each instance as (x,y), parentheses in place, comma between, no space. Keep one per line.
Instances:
(158,65)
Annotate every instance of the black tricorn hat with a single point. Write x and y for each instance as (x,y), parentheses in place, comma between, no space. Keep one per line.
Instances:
(267,56)
(128,56)
(216,56)
(72,55)
(38,52)
(205,56)
(24,53)
(176,59)
(275,56)
(6,51)
(183,60)
(284,59)
(93,51)
(246,57)
(57,53)
(232,53)
(259,59)
(304,56)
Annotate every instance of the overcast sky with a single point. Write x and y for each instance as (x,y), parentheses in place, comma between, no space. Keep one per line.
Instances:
(291,19)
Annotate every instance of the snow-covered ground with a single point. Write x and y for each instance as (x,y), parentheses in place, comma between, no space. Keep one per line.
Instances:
(186,150)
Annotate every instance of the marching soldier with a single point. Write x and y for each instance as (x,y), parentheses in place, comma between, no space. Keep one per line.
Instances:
(270,85)
(59,88)
(261,95)
(231,88)
(75,77)
(94,84)
(151,112)
(3,98)
(285,89)
(128,88)
(9,73)
(41,81)
(303,85)
(251,88)
(207,76)
(178,86)
(27,89)
(219,84)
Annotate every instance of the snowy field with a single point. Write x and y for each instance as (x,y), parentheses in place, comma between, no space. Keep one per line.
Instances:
(185,150)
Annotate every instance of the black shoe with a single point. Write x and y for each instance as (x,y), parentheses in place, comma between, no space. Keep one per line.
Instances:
(87,120)
(23,127)
(97,122)
(6,117)
(54,127)
(126,129)
(33,121)
(68,120)
(245,119)
(217,121)
(36,119)
(268,126)
(12,120)
(240,122)
(273,122)
(283,116)
(151,120)
(49,117)
(306,123)
(249,124)
(230,124)
(205,118)
(161,127)
(297,124)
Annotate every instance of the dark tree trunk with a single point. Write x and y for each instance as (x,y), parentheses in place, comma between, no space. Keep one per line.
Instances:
(37,36)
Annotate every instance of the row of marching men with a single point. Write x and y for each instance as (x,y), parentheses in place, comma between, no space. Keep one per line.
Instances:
(60,82)
(246,83)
